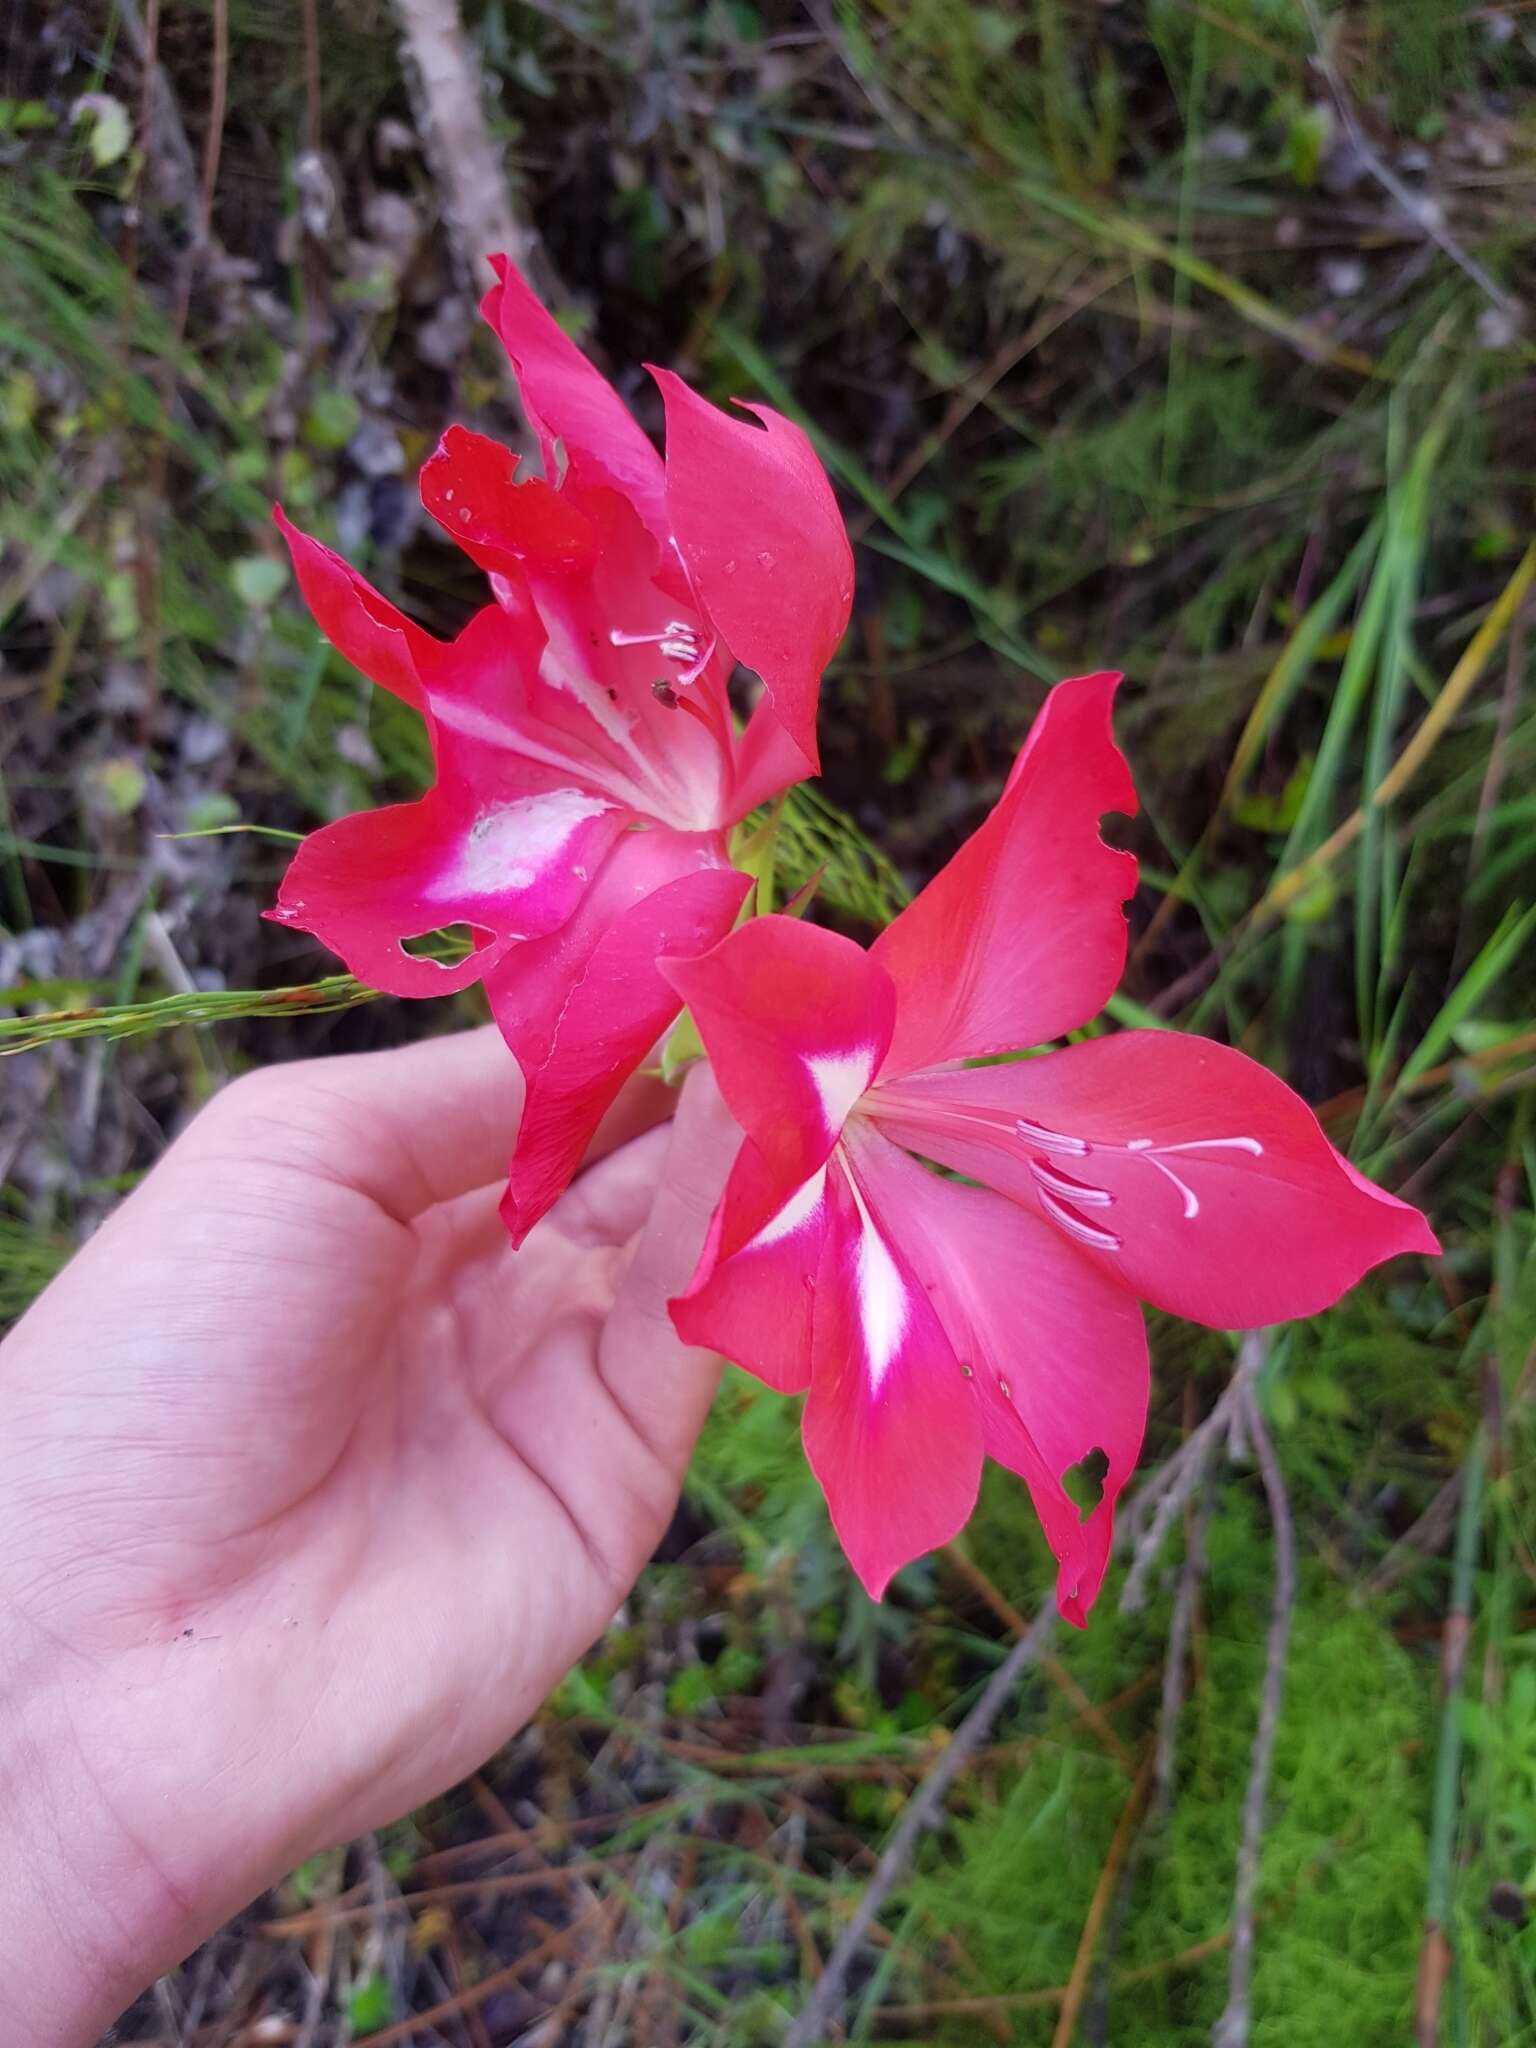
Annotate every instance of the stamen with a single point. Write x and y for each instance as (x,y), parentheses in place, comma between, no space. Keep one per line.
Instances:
(677,640)
(1191,1199)
(1250,1145)
(1052,1141)
(1071,1190)
(1078,1226)
(1147,1149)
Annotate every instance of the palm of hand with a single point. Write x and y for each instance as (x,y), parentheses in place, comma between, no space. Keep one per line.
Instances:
(306,1445)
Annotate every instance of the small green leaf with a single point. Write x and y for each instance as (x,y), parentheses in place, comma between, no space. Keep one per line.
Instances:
(1315,901)
(111,129)
(1306,140)
(683,1046)
(332,419)
(213,812)
(259,580)
(121,784)
(370,2004)
(18,401)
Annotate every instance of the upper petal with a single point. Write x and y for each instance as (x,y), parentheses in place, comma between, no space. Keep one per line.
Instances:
(764,543)
(571,403)
(582,1007)
(1022,936)
(1056,1347)
(795,1020)
(363,627)
(469,485)
(892,1428)
(1183,1169)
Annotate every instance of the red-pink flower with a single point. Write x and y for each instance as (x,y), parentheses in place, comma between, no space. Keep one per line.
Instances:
(935,1322)
(588,762)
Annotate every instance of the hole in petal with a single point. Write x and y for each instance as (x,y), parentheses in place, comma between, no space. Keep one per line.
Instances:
(447,945)
(1084,1481)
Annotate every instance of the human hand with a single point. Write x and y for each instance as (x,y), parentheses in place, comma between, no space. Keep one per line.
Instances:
(311,1488)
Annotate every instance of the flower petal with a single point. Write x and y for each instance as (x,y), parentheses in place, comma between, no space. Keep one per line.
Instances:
(582,1007)
(569,402)
(764,542)
(511,868)
(1022,936)
(892,1428)
(1056,1347)
(363,627)
(1187,1171)
(470,487)
(795,1021)
(750,1296)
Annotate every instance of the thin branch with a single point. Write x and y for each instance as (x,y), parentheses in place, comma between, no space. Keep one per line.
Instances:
(468,164)
(1231,2030)
(1411,203)
(1165,1493)
(922,1812)
(1435,1953)
(1180,1630)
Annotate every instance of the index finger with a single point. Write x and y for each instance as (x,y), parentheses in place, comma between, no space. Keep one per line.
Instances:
(419,1124)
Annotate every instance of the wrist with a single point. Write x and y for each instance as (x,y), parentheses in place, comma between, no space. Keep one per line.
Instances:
(88,1916)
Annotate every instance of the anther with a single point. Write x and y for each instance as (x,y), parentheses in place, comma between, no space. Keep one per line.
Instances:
(1052,1141)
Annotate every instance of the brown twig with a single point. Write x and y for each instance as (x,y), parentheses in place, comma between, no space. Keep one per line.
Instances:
(1085,1709)
(1098,1905)
(1231,2030)
(922,1812)
(1053,1994)
(1498,764)
(499,1980)
(344,1912)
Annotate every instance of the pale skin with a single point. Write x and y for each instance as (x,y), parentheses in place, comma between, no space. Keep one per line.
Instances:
(311,1489)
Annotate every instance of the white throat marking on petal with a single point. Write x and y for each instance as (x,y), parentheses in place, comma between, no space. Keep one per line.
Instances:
(511,845)
(839,1079)
(800,1207)
(882,1296)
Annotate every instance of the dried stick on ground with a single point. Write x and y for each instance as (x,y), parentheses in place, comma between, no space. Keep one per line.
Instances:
(466,162)
(1231,2030)
(922,1811)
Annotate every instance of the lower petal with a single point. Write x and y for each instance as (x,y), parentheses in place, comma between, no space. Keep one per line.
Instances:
(750,1297)
(892,1429)
(582,1007)
(510,869)
(1056,1347)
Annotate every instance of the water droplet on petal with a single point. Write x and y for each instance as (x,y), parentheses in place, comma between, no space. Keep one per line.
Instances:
(1005,1390)
(764,559)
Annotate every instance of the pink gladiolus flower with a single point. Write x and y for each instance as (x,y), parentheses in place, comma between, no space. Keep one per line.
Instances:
(935,1322)
(588,763)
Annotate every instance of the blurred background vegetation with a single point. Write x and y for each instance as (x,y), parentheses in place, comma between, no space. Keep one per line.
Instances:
(1184,336)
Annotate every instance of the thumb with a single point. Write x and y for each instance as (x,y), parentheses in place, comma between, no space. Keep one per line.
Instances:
(664,1385)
